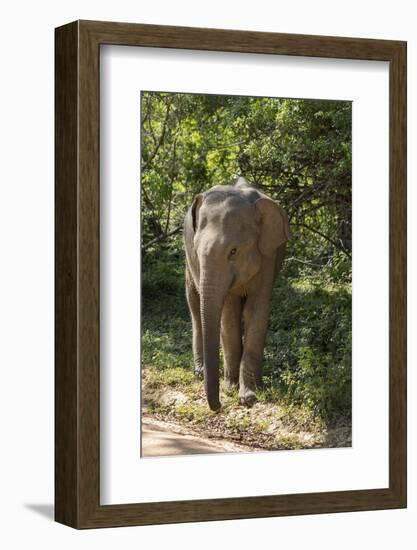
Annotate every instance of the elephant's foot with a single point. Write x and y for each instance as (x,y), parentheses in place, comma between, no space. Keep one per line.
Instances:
(199,371)
(247,397)
(229,386)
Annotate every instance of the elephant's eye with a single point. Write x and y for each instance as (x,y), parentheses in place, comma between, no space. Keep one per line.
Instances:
(233,252)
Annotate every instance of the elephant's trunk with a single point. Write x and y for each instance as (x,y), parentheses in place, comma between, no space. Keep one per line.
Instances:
(211,303)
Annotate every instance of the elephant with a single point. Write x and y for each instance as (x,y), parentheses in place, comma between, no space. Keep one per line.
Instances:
(235,238)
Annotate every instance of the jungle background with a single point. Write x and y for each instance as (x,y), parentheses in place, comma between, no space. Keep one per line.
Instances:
(298,151)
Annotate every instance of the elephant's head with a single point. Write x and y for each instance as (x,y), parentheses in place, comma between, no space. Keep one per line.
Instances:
(235,230)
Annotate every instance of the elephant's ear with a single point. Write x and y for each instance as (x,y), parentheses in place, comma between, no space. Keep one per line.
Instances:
(198,199)
(274,225)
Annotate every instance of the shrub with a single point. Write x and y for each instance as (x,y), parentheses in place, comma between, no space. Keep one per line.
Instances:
(308,346)
(308,350)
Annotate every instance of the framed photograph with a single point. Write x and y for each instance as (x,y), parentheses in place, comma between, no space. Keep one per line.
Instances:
(230,274)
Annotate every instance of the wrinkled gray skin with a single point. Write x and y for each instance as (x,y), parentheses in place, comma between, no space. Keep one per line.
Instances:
(235,240)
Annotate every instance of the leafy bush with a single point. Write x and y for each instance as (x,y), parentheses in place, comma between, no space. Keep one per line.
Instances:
(308,347)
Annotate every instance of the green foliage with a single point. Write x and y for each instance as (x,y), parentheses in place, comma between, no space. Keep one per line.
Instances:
(165,316)
(239,421)
(299,153)
(164,375)
(308,347)
(192,412)
(308,351)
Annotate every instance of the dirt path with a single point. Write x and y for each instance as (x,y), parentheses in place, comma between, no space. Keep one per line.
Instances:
(163,439)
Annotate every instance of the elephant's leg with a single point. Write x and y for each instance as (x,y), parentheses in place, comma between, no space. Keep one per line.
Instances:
(193,300)
(231,336)
(255,315)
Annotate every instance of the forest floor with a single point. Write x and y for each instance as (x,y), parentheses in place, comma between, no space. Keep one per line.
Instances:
(265,426)
(306,399)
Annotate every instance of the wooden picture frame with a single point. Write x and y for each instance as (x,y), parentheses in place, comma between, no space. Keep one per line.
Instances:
(77,373)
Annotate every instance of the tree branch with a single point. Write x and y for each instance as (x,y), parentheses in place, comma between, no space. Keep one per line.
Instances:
(161,237)
(146,163)
(329,239)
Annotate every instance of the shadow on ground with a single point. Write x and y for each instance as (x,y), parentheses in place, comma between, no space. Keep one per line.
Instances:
(45,510)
